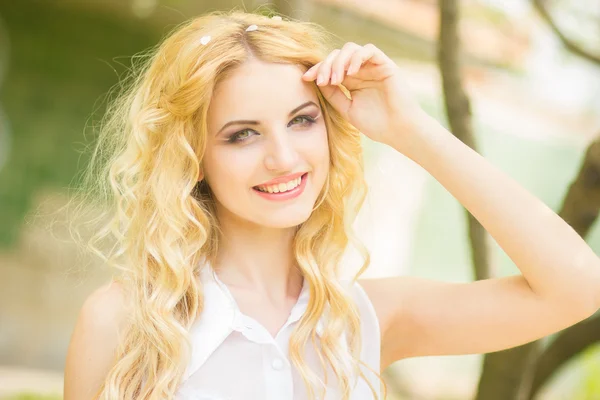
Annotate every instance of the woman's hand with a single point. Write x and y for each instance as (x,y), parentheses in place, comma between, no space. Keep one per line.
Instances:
(380,106)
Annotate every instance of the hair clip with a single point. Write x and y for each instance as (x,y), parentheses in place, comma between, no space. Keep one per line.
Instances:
(205,39)
(251,28)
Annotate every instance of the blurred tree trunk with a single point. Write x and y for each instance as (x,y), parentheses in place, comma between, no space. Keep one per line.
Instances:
(458,111)
(504,374)
(582,202)
(568,344)
(502,371)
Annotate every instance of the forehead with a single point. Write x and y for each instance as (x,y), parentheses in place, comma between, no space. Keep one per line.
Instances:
(257,89)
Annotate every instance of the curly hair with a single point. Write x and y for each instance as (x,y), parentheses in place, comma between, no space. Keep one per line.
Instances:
(146,165)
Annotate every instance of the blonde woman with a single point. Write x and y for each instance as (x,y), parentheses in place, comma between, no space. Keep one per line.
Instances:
(234,162)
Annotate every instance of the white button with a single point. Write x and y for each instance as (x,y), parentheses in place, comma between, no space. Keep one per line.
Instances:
(277,364)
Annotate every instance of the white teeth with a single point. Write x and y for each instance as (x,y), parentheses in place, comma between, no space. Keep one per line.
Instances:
(282,187)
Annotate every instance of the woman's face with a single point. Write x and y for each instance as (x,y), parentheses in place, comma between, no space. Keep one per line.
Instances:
(274,137)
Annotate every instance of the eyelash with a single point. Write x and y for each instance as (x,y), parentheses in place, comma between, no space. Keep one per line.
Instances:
(234,138)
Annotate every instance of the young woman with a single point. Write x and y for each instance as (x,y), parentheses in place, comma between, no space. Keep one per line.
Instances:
(235,165)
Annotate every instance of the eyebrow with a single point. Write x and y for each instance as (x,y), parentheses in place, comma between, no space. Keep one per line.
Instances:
(251,122)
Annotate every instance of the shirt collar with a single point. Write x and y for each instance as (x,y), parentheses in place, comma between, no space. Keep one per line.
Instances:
(218,318)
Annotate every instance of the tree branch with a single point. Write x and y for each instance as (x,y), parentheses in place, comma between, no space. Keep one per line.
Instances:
(568,43)
(502,369)
(569,344)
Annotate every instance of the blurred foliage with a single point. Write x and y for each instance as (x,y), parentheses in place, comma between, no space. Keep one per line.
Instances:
(589,386)
(490,15)
(62,62)
(32,396)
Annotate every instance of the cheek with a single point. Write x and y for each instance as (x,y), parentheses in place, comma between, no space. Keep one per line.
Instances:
(321,148)
(315,142)
(226,169)
(317,154)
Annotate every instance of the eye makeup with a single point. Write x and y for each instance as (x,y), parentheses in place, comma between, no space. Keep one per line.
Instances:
(308,121)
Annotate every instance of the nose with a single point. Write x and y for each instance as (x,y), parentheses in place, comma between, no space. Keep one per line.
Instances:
(281,153)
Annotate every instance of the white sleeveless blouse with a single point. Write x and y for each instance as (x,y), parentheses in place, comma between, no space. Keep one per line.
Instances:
(235,358)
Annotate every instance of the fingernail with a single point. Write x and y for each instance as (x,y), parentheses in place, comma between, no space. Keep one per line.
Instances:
(333,78)
(351,70)
(320,79)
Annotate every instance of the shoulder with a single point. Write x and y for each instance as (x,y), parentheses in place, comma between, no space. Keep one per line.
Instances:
(395,298)
(388,297)
(104,313)
(372,298)
(101,323)
(376,290)
(392,300)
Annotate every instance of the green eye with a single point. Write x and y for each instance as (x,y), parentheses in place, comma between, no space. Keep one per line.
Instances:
(306,119)
(239,136)
(244,134)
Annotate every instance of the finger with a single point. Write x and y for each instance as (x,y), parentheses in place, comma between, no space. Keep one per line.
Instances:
(375,55)
(325,68)
(340,63)
(311,73)
(368,53)
(358,59)
(338,99)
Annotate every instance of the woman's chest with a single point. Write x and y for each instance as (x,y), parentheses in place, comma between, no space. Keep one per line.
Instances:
(243,370)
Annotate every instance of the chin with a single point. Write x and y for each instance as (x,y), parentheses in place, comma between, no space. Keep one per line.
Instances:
(287,220)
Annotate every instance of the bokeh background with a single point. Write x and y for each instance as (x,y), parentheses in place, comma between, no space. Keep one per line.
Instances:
(530,68)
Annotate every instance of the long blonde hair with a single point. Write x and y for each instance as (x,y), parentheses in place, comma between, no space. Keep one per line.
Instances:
(147,163)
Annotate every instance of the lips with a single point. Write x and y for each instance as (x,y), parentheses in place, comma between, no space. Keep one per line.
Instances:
(287,195)
(282,179)
(285,179)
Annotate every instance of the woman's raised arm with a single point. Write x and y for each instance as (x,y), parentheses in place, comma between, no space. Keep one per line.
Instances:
(560,281)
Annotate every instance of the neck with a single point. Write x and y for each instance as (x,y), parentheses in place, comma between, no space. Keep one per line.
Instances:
(259,259)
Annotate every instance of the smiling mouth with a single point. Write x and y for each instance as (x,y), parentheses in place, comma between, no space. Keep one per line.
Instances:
(302,178)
